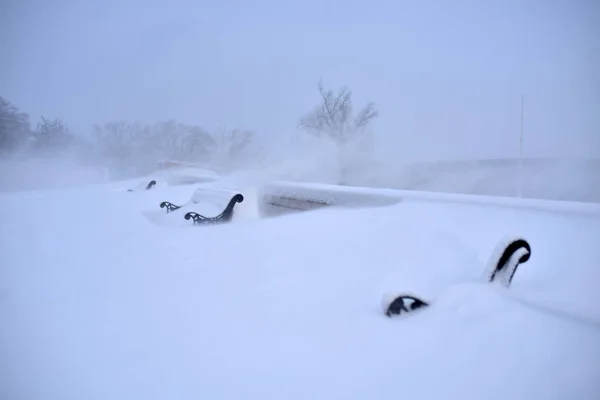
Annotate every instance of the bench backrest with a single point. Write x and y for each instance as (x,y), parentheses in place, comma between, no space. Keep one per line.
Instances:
(211,202)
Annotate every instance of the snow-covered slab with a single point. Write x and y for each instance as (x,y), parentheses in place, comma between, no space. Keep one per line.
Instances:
(181,173)
(187,175)
(175,176)
(299,194)
(210,202)
(283,197)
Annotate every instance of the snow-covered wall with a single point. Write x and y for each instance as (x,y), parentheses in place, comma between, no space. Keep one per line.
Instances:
(551,179)
(572,180)
(284,197)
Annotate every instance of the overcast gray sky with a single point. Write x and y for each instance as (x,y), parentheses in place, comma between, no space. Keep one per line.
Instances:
(446,76)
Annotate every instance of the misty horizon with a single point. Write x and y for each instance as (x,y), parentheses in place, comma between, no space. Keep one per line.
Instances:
(446,80)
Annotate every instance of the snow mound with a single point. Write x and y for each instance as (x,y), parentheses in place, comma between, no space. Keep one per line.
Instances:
(96,302)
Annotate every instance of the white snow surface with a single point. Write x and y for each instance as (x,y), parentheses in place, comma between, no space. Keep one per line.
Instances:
(98,302)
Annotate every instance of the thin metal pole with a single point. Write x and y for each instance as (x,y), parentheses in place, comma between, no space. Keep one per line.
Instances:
(521,150)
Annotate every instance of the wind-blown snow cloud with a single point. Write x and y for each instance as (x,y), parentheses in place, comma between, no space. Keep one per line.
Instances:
(446,78)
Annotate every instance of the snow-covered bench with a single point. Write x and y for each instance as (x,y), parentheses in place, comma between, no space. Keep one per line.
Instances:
(208,205)
(141,186)
(509,253)
(169,206)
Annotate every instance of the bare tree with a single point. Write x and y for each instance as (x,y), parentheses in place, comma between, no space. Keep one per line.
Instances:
(236,147)
(197,143)
(52,134)
(15,128)
(179,141)
(230,143)
(334,116)
(134,148)
(115,140)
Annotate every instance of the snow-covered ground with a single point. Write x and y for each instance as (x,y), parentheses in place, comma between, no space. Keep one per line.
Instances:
(97,301)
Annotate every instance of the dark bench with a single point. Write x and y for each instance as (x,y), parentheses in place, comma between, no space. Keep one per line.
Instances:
(225,216)
(508,254)
(216,199)
(169,206)
(506,258)
(148,187)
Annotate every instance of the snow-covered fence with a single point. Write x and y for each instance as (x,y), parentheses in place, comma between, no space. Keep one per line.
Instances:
(284,197)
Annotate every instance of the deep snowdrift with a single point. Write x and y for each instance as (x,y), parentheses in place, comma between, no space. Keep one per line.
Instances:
(97,302)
